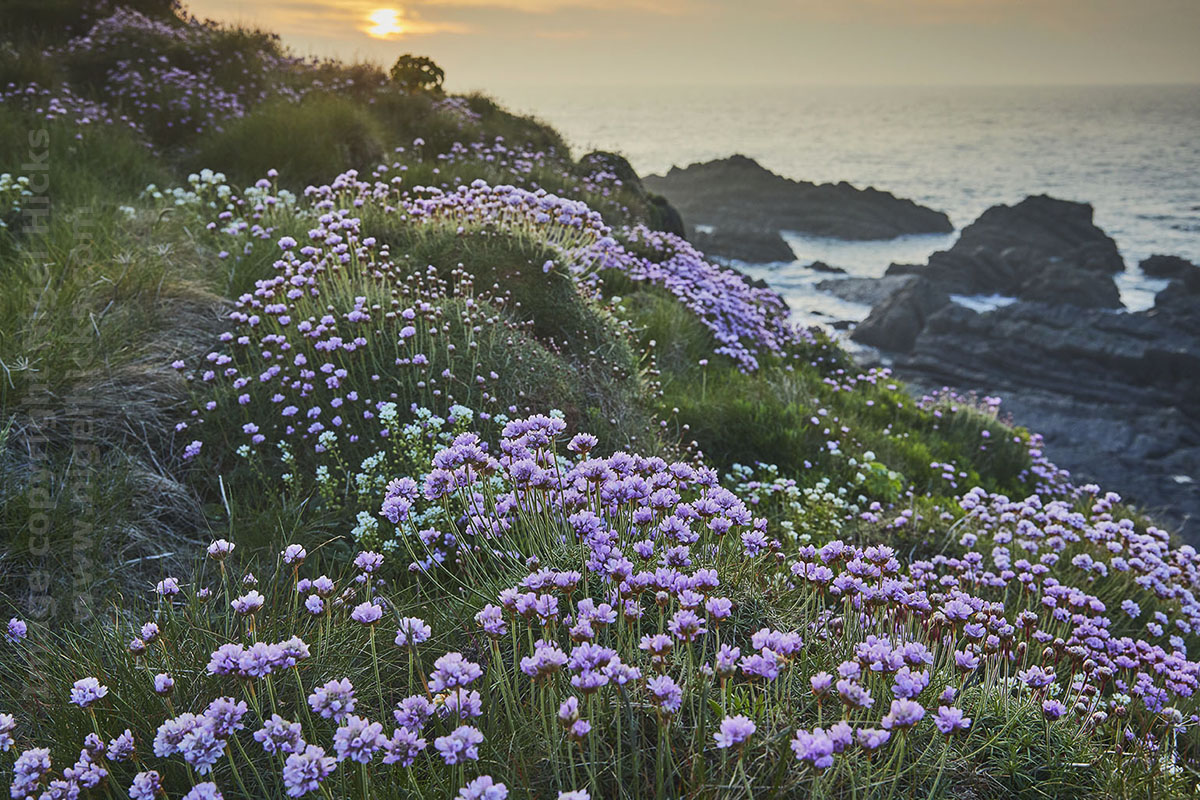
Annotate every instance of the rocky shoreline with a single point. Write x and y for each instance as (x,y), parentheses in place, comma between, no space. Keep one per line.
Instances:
(1116,394)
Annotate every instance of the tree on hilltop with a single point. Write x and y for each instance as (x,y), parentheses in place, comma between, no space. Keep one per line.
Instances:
(418,74)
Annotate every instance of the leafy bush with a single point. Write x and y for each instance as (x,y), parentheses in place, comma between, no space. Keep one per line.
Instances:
(417,74)
(339,135)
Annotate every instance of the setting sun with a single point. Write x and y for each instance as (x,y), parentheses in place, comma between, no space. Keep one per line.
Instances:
(385,23)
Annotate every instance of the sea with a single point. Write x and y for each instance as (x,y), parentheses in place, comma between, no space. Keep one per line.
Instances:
(1133,152)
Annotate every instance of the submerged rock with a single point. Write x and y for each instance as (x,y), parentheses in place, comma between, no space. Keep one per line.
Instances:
(867,291)
(1159,266)
(738,191)
(821,266)
(755,245)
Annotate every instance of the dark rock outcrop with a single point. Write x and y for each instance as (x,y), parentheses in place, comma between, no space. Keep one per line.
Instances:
(614,163)
(821,266)
(1061,284)
(738,191)
(1116,395)
(755,245)
(662,215)
(1041,249)
(1090,354)
(895,323)
(1178,305)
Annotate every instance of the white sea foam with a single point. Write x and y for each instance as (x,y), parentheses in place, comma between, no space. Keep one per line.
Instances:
(982,303)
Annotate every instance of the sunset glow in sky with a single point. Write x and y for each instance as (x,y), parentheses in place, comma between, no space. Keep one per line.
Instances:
(493,43)
(385,23)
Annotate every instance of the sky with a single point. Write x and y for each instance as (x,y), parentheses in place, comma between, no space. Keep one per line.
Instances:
(496,44)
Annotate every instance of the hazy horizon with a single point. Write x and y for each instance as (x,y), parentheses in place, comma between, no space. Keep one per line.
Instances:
(494,44)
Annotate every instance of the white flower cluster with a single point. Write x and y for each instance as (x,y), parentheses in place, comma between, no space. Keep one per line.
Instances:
(244,213)
(13,191)
(207,188)
(802,511)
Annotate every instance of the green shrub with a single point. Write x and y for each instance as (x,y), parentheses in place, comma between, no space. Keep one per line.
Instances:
(308,142)
(516,128)
(46,22)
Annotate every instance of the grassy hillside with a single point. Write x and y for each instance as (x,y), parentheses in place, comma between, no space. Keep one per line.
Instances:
(417,456)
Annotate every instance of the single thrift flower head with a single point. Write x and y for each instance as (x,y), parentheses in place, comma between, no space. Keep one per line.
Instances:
(304,771)
(460,745)
(452,671)
(367,613)
(483,788)
(17,630)
(412,632)
(403,747)
(86,691)
(334,700)
(734,731)
(358,739)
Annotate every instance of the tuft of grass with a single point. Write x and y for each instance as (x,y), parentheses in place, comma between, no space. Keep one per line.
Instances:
(82,522)
(96,308)
(84,174)
(607,391)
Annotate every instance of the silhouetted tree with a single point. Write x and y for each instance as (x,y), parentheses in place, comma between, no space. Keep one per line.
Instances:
(418,74)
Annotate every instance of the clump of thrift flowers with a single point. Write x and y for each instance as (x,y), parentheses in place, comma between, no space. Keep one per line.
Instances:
(626,661)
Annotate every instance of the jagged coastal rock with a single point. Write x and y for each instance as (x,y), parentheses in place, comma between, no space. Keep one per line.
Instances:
(1117,395)
(663,216)
(896,322)
(1160,266)
(1180,300)
(1031,250)
(1041,249)
(1179,304)
(737,192)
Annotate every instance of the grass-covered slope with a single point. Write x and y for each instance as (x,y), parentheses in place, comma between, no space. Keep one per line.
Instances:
(417,457)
